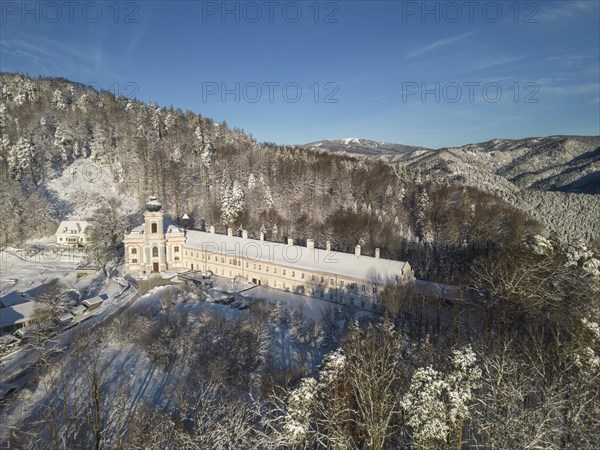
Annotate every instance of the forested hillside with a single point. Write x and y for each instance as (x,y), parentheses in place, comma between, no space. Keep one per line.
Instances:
(555,179)
(51,126)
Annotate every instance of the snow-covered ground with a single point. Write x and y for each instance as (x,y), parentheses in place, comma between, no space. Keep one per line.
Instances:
(39,262)
(82,189)
(311,308)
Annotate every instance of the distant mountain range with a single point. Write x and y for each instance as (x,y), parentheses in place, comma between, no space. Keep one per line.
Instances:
(556,178)
(557,163)
(356,146)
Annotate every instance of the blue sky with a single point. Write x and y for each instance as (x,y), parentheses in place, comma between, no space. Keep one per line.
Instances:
(432,74)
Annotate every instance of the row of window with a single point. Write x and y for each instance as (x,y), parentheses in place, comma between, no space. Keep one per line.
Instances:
(155,251)
(256,266)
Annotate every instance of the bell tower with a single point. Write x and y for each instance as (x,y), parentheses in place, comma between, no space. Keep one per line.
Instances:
(154,219)
(155,235)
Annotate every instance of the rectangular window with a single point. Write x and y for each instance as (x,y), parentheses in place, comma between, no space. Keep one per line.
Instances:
(352,285)
(331,296)
(293,273)
(274,269)
(259,267)
(331,282)
(374,289)
(302,275)
(216,260)
(222,260)
(134,251)
(312,278)
(284,271)
(154,228)
(363,288)
(267,268)
(246,264)
(133,261)
(177,258)
(186,253)
(176,250)
(341,284)
(322,280)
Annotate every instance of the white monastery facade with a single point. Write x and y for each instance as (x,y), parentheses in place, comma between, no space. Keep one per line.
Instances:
(71,233)
(353,279)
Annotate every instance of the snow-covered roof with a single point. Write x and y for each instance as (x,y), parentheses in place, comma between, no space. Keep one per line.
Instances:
(77,310)
(65,317)
(14,298)
(92,301)
(185,216)
(16,314)
(66,226)
(295,256)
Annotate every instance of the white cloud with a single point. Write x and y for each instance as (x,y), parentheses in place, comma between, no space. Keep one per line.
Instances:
(440,43)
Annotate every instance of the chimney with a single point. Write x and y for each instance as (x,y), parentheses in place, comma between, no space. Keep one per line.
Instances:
(290,241)
(262,236)
(357,251)
(244,234)
(310,244)
(376,253)
(212,229)
(328,246)
(185,221)
(229,231)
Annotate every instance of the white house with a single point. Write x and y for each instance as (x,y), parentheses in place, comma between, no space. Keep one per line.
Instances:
(71,233)
(345,278)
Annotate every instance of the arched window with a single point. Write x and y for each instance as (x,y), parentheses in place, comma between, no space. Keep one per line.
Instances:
(155,252)
(154,228)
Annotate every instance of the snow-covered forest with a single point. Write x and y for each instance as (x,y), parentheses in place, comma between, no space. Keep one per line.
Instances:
(53,129)
(511,360)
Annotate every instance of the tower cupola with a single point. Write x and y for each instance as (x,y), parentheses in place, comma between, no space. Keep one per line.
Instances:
(153,205)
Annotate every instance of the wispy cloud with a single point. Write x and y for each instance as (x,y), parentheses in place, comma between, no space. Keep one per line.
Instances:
(553,12)
(440,43)
(498,62)
(47,52)
(573,89)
